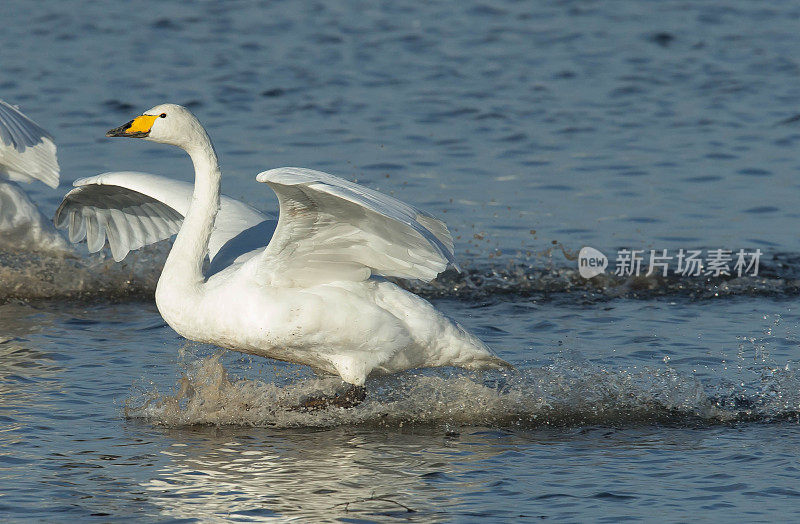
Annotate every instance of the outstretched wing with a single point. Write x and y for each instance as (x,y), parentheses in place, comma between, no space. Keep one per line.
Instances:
(331,229)
(132,210)
(27,151)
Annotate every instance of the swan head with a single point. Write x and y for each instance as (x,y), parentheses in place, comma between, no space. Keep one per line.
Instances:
(165,123)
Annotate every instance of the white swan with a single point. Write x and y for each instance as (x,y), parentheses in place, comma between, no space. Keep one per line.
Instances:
(27,153)
(302,289)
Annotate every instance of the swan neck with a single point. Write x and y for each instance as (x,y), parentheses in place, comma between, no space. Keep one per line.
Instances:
(204,158)
(185,261)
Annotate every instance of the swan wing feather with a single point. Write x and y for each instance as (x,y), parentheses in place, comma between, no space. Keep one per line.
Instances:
(27,151)
(332,229)
(131,210)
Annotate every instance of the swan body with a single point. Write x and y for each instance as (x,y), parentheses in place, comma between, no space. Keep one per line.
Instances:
(27,153)
(306,288)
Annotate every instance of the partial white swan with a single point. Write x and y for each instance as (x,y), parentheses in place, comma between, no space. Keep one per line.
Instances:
(304,289)
(27,153)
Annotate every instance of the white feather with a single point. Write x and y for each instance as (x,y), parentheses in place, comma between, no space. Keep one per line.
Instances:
(307,296)
(27,151)
(326,223)
(133,209)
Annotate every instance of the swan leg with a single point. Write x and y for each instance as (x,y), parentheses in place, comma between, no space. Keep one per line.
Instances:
(352,397)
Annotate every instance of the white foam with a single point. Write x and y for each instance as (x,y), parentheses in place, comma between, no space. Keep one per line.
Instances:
(563,394)
(59,276)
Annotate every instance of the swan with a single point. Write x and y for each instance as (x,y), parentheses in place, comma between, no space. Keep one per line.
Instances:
(306,288)
(27,153)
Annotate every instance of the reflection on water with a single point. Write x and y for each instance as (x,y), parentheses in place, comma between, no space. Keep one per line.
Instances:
(17,320)
(322,476)
(20,360)
(432,475)
(207,436)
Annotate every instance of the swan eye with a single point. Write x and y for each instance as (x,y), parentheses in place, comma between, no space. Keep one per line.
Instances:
(163,115)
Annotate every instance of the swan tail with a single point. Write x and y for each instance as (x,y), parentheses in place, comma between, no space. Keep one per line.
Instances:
(487,362)
(469,352)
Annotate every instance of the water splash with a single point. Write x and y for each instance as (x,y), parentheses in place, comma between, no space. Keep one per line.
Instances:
(562,394)
(35,276)
(58,276)
(521,279)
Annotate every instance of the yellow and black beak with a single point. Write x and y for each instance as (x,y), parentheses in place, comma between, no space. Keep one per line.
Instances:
(139,127)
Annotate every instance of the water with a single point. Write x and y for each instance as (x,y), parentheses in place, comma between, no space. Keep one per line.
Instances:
(533,130)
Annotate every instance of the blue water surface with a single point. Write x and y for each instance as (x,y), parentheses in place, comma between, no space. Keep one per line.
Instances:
(533,129)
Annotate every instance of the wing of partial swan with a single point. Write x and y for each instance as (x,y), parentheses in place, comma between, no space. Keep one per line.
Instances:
(133,209)
(331,229)
(27,151)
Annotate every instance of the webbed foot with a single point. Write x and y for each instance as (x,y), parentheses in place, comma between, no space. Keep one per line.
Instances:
(351,398)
